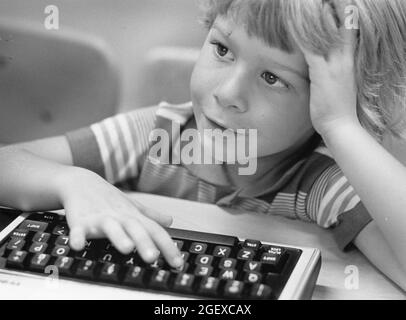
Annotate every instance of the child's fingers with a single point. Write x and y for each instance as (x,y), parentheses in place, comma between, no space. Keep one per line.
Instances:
(143,242)
(114,231)
(77,237)
(165,244)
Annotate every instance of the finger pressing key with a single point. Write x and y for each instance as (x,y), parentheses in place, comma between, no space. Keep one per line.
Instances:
(165,243)
(145,246)
(114,231)
(77,238)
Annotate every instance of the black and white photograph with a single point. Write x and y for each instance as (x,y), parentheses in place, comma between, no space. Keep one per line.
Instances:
(203,156)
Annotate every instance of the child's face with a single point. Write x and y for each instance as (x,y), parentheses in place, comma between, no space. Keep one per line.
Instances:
(242,83)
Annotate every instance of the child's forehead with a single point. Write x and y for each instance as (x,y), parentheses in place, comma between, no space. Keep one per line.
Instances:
(228,25)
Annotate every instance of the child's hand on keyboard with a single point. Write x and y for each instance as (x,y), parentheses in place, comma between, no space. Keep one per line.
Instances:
(94,208)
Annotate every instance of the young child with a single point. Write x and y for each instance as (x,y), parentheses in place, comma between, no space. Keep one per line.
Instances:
(320,96)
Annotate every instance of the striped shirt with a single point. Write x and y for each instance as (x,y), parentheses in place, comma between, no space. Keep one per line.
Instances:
(309,186)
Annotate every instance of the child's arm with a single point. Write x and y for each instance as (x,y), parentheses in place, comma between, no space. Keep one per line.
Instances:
(377,177)
(39,176)
(371,242)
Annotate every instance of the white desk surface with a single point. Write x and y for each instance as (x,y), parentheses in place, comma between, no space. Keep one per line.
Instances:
(331,282)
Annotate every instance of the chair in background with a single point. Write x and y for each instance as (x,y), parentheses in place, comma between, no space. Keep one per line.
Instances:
(166,74)
(52,81)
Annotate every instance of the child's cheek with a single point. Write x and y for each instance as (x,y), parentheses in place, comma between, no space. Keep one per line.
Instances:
(201,84)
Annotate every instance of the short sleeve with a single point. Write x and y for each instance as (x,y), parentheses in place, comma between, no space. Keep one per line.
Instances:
(349,225)
(333,203)
(115,147)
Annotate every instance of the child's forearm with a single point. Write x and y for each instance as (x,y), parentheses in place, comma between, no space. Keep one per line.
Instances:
(28,182)
(378,178)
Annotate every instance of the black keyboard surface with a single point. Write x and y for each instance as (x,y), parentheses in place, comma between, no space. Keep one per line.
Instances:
(216,266)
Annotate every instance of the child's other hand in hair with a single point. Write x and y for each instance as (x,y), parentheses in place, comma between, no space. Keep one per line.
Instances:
(333,89)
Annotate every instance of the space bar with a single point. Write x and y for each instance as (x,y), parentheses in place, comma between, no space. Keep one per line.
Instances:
(218,239)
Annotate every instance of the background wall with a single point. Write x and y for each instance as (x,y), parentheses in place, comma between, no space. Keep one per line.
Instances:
(130,28)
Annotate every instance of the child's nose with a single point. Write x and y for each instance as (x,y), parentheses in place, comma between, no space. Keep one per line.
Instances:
(232,92)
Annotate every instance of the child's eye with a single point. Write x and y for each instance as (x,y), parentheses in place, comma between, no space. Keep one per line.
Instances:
(220,49)
(273,80)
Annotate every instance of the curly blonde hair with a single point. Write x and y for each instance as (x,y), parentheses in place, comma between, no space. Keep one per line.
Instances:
(380,53)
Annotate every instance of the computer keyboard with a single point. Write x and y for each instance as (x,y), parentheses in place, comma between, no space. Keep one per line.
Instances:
(216,266)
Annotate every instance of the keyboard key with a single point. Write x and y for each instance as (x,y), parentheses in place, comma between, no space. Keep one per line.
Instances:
(185,255)
(106,245)
(16,259)
(16,243)
(204,259)
(157,264)
(60,230)
(252,277)
(227,263)
(202,271)
(39,261)
(221,251)
(184,282)
(209,286)
(178,244)
(228,274)
(159,279)
(31,225)
(62,240)
(184,268)
(130,260)
(252,266)
(198,247)
(64,264)
(273,249)
(19,233)
(134,276)
(2,251)
(260,291)
(110,256)
(217,239)
(271,262)
(46,217)
(38,247)
(109,272)
(49,216)
(84,254)
(41,237)
(60,251)
(245,254)
(90,244)
(252,244)
(86,268)
(233,289)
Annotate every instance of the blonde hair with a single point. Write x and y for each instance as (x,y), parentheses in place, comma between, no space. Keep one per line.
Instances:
(379,58)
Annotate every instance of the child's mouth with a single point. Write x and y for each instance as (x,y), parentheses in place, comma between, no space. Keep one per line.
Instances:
(216,125)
